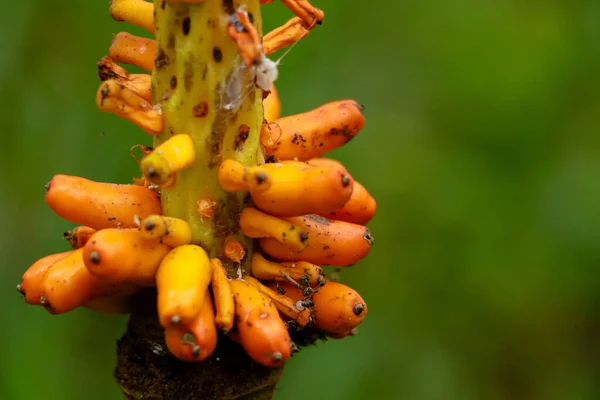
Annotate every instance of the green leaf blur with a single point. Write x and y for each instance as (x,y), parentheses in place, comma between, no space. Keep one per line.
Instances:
(479,147)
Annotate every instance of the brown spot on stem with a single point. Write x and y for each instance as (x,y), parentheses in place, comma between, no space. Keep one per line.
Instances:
(217,54)
(171,41)
(186,25)
(221,123)
(226,215)
(200,110)
(228,6)
(188,73)
(214,143)
(162,60)
(241,137)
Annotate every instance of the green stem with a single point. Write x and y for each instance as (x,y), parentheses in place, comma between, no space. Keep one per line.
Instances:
(204,91)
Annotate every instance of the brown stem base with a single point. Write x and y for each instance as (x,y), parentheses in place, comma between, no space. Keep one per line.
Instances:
(147,371)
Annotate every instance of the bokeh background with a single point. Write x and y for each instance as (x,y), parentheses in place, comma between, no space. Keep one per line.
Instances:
(481,146)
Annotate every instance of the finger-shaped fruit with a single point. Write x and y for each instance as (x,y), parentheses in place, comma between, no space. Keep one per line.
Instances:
(31,281)
(100,205)
(269,134)
(284,35)
(331,242)
(262,333)
(256,224)
(129,49)
(197,340)
(234,176)
(306,11)
(140,84)
(68,284)
(117,99)
(223,295)
(135,12)
(358,210)
(79,236)
(284,304)
(314,133)
(272,105)
(290,188)
(169,230)
(301,271)
(124,255)
(337,308)
(172,156)
(361,206)
(182,281)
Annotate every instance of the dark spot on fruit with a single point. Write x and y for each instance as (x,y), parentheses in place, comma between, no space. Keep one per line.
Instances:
(304,236)
(261,177)
(368,237)
(345,180)
(95,257)
(358,309)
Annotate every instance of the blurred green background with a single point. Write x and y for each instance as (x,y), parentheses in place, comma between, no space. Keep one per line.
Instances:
(481,146)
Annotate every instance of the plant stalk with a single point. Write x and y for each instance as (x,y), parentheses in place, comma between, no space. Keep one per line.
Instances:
(204,90)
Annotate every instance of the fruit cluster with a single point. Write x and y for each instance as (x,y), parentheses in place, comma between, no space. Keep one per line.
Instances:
(303,211)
